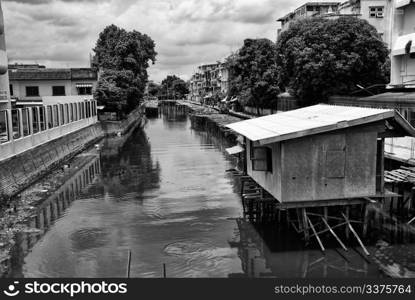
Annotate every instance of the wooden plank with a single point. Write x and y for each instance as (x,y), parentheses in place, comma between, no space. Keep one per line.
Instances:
(356,235)
(322,203)
(334,234)
(316,235)
(333,227)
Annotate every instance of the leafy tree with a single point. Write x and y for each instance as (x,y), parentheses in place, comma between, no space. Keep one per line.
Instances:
(154,89)
(123,58)
(121,86)
(253,73)
(174,87)
(320,57)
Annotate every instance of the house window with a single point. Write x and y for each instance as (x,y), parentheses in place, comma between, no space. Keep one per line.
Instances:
(58,91)
(84,90)
(376,12)
(11,90)
(32,91)
(261,158)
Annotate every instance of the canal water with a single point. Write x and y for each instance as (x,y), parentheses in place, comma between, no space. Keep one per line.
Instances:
(164,193)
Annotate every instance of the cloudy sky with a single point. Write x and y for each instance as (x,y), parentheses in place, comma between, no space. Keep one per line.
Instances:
(61,33)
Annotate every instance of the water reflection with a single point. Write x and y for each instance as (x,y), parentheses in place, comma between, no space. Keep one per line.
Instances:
(164,193)
(269,252)
(51,210)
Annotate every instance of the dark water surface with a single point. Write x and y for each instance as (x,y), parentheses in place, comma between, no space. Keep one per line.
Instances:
(163,192)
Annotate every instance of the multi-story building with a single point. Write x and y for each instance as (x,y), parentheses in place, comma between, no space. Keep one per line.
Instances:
(403,45)
(376,12)
(30,84)
(224,78)
(309,9)
(208,81)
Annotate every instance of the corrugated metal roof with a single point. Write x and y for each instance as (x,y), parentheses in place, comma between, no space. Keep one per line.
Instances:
(40,74)
(312,120)
(52,74)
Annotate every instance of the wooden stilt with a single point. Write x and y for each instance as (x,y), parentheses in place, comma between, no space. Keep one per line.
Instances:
(347,232)
(356,236)
(365,220)
(315,233)
(333,233)
(411,221)
(305,226)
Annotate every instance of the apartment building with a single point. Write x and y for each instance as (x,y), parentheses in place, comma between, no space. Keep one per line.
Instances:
(376,12)
(307,10)
(208,81)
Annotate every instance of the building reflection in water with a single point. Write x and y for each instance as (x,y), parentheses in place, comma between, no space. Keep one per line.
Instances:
(51,210)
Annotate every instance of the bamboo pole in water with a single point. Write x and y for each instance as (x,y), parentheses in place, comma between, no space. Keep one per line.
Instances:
(129,264)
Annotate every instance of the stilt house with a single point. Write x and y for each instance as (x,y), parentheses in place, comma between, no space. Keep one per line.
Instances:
(321,152)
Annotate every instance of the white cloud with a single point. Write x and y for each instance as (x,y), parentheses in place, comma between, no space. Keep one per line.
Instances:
(187,32)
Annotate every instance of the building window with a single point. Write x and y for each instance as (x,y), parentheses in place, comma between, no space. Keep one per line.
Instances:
(84,90)
(58,91)
(261,158)
(11,90)
(32,91)
(376,12)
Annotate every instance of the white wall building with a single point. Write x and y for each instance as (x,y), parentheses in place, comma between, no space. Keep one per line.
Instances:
(376,12)
(29,84)
(403,44)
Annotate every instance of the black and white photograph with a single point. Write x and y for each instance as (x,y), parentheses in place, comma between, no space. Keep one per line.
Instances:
(233,140)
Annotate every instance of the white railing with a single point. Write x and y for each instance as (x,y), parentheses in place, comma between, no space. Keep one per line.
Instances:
(22,129)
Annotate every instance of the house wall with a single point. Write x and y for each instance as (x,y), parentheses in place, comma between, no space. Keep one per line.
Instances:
(270,181)
(315,168)
(45,87)
(381,24)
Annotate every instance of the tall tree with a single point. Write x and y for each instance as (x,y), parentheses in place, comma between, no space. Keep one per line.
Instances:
(320,57)
(253,73)
(123,58)
(174,87)
(119,91)
(154,89)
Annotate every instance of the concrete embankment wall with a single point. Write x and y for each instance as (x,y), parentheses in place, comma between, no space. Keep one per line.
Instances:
(134,119)
(20,171)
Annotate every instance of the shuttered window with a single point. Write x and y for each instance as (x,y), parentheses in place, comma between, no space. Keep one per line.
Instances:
(261,158)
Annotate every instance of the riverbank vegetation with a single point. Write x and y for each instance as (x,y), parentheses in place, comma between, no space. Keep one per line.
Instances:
(312,60)
(123,58)
(172,87)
